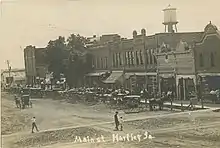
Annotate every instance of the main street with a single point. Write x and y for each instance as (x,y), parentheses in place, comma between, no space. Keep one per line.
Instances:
(60,122)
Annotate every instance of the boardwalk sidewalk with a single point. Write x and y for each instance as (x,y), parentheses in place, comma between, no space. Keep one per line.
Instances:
(199,105)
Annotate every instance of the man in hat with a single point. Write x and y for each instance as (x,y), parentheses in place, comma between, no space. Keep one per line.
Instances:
(34,124)
(116,121)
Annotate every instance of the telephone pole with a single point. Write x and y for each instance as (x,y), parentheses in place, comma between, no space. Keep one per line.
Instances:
(9,68)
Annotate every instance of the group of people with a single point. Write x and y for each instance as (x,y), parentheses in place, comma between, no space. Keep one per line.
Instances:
(33,120)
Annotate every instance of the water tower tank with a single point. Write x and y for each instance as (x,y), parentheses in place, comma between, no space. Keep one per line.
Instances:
(170,19)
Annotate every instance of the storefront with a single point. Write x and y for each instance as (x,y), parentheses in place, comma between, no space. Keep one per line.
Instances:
(115,80)
(209,86)
(167,83)
(94,79)
(141,80)
(186,85)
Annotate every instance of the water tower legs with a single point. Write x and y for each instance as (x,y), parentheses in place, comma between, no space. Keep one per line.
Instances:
(175,28)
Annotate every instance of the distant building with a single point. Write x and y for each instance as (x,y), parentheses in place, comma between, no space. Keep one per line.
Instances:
(35,63)
(101,61)
(133,61)
(191,62)
(14,76)
(207,59)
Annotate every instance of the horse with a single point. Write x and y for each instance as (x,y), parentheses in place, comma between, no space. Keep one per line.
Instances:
(154,102)
(18,103)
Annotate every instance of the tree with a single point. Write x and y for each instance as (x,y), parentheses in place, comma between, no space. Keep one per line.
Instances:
(55,54)
(79,61)
(70,58)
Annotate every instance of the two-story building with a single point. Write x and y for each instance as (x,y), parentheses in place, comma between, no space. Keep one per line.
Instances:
(13,76)
(207,58)
(179,69)
(35,63)
(128,62)
(99,48)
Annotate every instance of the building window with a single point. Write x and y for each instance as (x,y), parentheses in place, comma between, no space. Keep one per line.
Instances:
(151,60)
(129,57)
(201,60)
(98,63)
(137,58)
(141,58)
(146,58)
(155,59)
(93,62)
(102,64)
(212,60)
(116,57)
(113,59)
(106,62)
(120,61)
(132,58)
(126,58)
(122,58)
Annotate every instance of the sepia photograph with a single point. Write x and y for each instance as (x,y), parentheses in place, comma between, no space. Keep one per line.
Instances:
(110,73)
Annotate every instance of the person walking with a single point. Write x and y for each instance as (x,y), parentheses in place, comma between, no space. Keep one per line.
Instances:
(34,124)
(116,121)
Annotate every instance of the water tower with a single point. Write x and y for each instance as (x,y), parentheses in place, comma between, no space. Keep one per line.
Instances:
(170,19)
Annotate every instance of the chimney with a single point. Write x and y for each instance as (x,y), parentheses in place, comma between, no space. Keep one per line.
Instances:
(134,34)
(143,32)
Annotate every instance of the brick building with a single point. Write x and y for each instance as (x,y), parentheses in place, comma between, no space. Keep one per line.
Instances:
(207,59)
(35,63)
(179,69)
(132,62)
(99,48)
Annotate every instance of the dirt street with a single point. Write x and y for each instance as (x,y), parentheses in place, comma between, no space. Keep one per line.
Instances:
(60,122)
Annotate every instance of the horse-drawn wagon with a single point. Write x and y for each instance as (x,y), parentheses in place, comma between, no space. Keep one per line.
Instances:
(133,103)
(25,101)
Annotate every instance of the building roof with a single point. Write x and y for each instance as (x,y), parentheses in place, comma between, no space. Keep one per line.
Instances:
(13,70)
(172,39)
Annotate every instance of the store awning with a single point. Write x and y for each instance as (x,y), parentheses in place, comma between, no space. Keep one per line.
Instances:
(208,74)
(115,75)
(186,76)
(127,75)
(96,73)
(193,77)
(19,78)
(168,75)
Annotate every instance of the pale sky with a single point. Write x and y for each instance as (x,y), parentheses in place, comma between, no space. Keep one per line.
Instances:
(25,22)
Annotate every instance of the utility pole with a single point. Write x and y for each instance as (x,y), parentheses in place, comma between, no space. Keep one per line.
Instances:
(9,68)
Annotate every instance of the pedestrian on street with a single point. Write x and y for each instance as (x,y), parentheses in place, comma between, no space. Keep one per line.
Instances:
(34,124)
(116,121)
(121,123)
